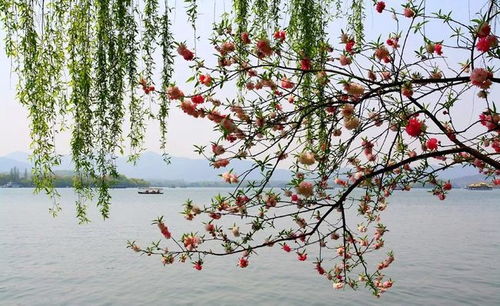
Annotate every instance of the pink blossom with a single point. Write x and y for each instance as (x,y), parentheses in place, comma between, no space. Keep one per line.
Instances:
(286,248)
(354,89)
(220,163)
(345,60)
(302,256)
(481,77)
(338,285)
(279,35)
(305,189)
(191,241)
(286,83)
(432,144)
(307,158)
(175,93)
(349,46)
(230,177)
(380,6)
(218,149)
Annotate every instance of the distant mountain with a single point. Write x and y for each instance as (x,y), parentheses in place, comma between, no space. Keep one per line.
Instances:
(151,166)
(458,172)
(21,160)
(19,156)
(8,163)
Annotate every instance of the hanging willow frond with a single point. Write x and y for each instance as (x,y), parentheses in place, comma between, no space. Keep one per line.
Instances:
(103,98)
(149,37)
(356,19)
(167,44)
(192,12)
(80,69)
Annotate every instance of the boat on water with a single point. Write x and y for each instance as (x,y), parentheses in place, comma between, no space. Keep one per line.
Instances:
(150,190)
(11,185)
(479,186)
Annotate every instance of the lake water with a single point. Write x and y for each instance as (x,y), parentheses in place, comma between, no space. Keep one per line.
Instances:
(447,253)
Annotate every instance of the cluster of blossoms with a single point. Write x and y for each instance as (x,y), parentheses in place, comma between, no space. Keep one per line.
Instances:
(183,51)
(432,144)
(481,78)
(145,87)
(351,121)
(230,177)
(491,120)
(191,210)
(174,93)
(205,79)
(407,90)
(335,119)
(163,228)
(436,48)
(368,149)
(486,40)
(382,54)
(415,127)
(191,241)
(307,158)
(305,189)
(380,6)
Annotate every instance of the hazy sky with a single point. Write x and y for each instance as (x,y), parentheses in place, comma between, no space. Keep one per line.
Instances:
(184,131)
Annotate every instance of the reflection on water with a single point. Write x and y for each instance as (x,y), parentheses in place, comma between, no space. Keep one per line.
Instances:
(446,254)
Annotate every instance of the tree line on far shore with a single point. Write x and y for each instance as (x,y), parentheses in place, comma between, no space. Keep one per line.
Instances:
(63,179)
